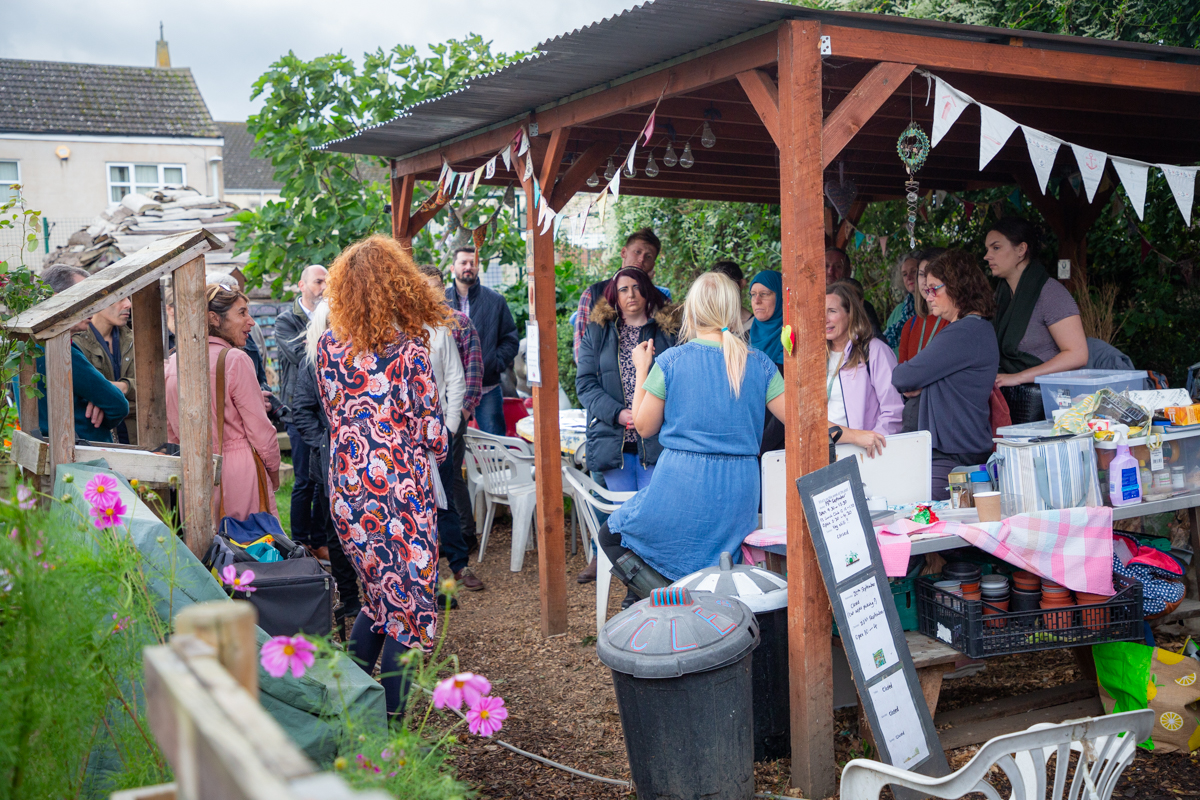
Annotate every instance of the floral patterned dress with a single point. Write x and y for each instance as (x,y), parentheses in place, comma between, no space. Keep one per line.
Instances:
(383,416)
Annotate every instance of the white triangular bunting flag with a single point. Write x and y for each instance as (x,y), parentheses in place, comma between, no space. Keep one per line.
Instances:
(1182,181)
(490,172)
(476,178)
(994,130)
(1133,177)
(442,174)
(547,220)
(629,158)
(1042,149)
(524,143)
(451,176)
(1091,167)
(603,206)
(528,169)
(614,185)
(504,154)
(950,104)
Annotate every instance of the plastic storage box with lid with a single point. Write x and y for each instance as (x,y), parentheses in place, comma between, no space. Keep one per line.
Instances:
(681,667)
(764,593)
(1059,389)
(1180,451)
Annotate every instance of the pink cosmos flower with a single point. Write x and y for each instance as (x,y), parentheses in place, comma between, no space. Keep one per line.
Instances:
(468,686)
(100,489)
(109,515)
(239,583)
(486,716)
(25,499)
(282,653)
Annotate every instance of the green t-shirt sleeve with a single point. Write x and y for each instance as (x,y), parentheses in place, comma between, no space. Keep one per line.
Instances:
(656,383)
(775,387)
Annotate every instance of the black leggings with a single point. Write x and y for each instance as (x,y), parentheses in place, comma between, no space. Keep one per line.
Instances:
(610,543)
(365,646)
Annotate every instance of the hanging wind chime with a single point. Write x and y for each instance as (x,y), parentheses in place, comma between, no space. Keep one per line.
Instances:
(913,149)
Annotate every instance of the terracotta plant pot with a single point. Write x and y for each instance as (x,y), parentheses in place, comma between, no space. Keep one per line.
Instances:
(1096,619)
(1057,620)
(999,607)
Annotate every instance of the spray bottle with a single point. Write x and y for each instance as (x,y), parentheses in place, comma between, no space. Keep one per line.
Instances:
(1124,481)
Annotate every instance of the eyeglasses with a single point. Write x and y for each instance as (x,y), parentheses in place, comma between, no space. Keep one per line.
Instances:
(761,295)
(932,291)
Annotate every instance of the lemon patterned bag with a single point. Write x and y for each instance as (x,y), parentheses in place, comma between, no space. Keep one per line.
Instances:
(1133,676)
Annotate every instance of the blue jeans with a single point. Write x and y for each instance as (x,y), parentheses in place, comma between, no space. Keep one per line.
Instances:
(489,414)
(308,527)
(631,477)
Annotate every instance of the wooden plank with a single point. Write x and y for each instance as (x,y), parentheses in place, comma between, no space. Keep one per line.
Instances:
(928,652)
(60,401)
(801,203)
(422,218)
(474,145)
(30,453)
(1004,61)
(552,552)
(764,96)
(574,180)
(28,416)
(33,454)
(978,732)
(229,628)
(116,282)
(859,106)
(151,398)
(195,416)
(402,194)
(552,162)
(1018,704)
(164,791)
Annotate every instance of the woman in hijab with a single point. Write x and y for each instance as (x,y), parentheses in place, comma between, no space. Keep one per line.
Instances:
(766,303)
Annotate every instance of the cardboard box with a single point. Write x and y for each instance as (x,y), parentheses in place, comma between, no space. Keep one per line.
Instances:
(1183,415)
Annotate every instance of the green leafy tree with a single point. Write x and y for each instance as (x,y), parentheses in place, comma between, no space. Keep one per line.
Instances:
(330,200)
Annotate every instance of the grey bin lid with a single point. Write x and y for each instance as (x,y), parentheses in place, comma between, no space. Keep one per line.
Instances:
(760,589)
(677,632)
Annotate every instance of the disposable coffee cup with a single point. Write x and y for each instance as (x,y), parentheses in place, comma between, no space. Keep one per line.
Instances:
(988,505)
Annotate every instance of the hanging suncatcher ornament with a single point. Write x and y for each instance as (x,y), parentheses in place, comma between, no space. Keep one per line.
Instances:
(913,149)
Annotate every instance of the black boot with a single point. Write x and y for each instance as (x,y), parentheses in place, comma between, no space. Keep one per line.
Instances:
(640,577)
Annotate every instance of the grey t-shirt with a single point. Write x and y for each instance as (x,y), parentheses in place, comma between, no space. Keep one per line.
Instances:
(1053,305)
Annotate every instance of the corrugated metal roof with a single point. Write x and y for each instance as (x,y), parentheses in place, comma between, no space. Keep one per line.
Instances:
(639,39)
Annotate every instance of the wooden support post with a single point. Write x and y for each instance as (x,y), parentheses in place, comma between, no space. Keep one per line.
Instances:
(28,407)
(402,194)
(809,620)
(552,550)
(859,106)
(60,401)
(195,416)
(764,96)
(229,628)
(148,362)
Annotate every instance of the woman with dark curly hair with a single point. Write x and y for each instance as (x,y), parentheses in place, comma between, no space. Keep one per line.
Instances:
(955,372)
(378,392)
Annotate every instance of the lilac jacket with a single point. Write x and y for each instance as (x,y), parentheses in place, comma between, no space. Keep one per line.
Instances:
(872,403)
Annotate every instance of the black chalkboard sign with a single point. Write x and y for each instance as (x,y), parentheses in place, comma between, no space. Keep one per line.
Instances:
(866,616)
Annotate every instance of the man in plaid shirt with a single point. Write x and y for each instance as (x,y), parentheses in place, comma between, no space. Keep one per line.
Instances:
(641,250)
(456,545)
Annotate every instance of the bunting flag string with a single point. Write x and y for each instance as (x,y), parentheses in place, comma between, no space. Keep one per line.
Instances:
(996,128)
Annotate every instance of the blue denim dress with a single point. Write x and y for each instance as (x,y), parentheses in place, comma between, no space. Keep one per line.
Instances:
(703,497)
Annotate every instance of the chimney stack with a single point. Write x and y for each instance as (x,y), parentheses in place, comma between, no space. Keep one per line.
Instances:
(162,56)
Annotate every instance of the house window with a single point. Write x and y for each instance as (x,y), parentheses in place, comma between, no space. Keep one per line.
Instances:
(10,174)
(141,178)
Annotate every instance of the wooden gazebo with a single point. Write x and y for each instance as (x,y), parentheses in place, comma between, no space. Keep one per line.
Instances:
(49,324)
(795,90)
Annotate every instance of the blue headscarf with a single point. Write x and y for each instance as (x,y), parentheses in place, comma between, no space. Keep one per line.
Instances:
(765,335)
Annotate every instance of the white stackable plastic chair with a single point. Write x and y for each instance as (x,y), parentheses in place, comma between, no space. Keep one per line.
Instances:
(505,470)
(1022,756)
(589,498)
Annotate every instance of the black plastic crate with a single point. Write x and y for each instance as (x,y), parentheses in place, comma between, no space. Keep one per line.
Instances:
(961,624)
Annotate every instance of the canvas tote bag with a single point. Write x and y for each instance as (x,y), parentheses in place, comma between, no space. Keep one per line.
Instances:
(1047,476)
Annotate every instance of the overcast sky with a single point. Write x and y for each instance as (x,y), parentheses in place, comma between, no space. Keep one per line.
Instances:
(229,43)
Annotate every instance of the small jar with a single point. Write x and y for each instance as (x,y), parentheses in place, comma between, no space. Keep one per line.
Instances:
(1178,478)
(1162,480)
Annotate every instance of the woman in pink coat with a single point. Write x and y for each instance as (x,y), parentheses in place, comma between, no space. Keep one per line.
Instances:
(247,429)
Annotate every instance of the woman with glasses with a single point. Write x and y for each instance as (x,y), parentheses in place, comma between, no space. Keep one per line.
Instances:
(955,372)
(861,399)
(918,332)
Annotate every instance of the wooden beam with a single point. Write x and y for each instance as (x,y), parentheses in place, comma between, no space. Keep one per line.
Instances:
(60,401)
(402,193)
(801,214)
(1004,61)
(552,161)
(552,552)
(422,218)
(228,628)
(859,106)
(150,400)
(32,454)
(28,404)
(764,96)
(689,75)
(195,416)
(576,176)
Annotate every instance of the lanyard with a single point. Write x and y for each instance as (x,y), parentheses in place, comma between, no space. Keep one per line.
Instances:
(936,327)
(833,377)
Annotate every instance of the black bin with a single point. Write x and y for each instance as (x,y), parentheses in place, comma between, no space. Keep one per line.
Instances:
(765,593)
(681,663)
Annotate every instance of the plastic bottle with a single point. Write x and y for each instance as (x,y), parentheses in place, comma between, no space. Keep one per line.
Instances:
(1124,478)
(1147,477)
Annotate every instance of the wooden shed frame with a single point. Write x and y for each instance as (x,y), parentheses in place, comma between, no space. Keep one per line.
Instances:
(49,323)
(815,86)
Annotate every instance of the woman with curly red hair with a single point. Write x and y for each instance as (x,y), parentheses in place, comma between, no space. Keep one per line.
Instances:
(378,391)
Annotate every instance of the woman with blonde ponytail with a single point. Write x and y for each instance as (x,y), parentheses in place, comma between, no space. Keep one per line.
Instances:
(705,400)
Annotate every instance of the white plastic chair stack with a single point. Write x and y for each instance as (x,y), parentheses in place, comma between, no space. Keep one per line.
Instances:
(590,497)
(505,471)
(1022,757)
